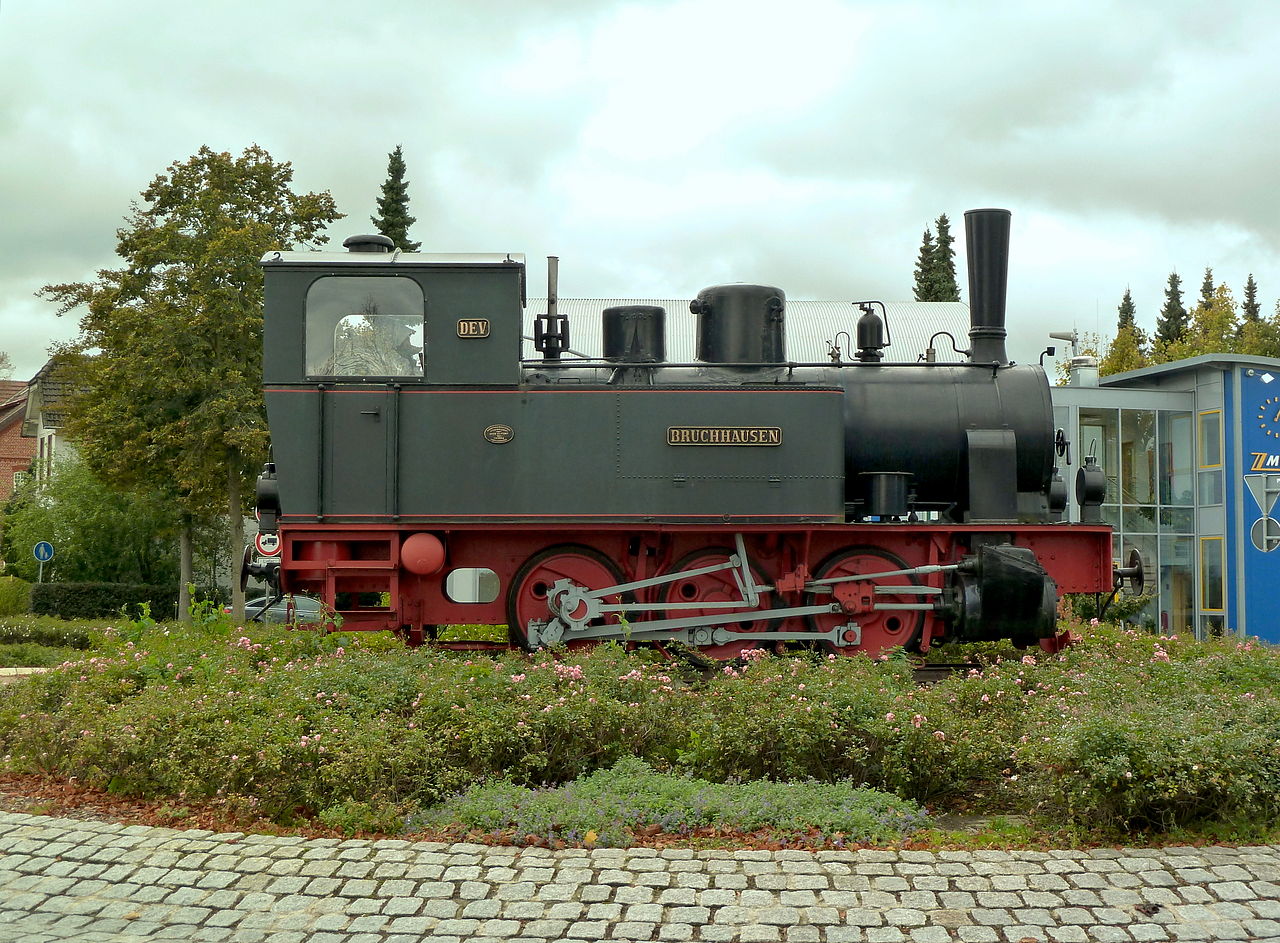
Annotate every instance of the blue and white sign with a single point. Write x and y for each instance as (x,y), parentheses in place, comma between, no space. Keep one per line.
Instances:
(43,551)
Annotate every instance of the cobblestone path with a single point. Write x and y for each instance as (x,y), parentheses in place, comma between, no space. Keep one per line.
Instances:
(103,883)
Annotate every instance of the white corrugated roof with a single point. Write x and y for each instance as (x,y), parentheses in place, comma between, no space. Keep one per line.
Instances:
(810,325)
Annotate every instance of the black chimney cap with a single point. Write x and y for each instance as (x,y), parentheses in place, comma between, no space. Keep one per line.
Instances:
(373,243)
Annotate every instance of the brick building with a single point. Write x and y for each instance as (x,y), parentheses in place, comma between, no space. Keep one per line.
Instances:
(16,451)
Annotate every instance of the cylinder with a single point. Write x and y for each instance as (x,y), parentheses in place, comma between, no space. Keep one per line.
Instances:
(741,324)
(885,493)
(635,333)
(987,244)
(373,243)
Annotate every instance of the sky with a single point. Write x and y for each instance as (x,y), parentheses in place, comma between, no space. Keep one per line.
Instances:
(661,147)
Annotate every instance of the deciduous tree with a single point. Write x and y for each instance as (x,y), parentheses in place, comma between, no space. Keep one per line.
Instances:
(393,219)
(172,402)
(1128,350)
(100,534)
(1212,329)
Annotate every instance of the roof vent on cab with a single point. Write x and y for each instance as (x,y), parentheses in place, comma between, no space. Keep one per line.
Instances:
(373,243)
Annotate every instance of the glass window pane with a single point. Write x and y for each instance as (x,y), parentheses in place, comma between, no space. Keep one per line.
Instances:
(1211,439)
(1210,487)
(1175,458)
(1138,456)
(1177,591)
(1178,520)
(1211,626)
(1140,520)
(1146,547)
(1211,570)
(1100,436)
(365,326)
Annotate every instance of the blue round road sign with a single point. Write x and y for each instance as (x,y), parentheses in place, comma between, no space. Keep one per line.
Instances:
(43,551)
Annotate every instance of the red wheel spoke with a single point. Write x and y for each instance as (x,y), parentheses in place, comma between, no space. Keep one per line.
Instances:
(881,629)
(720,586)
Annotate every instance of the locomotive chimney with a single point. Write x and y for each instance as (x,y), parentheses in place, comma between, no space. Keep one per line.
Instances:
(987,239)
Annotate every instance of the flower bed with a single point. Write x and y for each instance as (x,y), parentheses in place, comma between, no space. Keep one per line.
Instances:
(1122,732)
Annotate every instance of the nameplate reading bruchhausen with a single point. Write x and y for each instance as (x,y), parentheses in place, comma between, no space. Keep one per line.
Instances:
(724,435)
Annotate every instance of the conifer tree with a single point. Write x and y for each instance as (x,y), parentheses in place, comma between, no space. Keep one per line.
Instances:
(924,268)
(944,263)
(1206,288)
(394,220)
(935,266)
(1126,311)
(1250,308)
(1172,321)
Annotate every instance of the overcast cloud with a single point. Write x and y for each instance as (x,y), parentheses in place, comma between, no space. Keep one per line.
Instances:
(660,147)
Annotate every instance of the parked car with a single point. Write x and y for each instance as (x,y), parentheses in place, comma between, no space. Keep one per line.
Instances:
(305,610)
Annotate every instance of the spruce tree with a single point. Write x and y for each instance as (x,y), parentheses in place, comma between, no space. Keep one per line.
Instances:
(1206,289)
(924,268)
(394,220)
(1250,309)
(1171,324)
(944,264)
(1126,312)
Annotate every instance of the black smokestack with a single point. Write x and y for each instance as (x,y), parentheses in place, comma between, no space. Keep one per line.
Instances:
(987,236)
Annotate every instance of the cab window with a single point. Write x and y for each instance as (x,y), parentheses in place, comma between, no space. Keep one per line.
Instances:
(360,326)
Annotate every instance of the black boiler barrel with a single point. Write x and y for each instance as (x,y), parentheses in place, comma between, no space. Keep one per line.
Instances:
(915,419)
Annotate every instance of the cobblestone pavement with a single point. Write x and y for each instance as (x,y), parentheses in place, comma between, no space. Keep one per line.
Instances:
(104,883)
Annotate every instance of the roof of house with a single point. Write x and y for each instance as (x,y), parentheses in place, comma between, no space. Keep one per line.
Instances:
(13,402)
(51,388)
(1222,361)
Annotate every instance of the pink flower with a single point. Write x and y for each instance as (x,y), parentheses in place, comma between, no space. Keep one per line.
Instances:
(889,716)
(939,735)
(918,719)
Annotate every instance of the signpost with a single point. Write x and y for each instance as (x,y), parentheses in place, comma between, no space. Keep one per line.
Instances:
(43,552)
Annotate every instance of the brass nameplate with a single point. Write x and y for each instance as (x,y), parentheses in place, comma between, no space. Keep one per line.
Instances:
(473,327)
(724,435)
(499,434)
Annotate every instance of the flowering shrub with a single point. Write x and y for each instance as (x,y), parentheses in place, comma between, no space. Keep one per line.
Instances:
(1122,731)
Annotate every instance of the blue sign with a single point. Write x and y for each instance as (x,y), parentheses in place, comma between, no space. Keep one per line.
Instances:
(43,551)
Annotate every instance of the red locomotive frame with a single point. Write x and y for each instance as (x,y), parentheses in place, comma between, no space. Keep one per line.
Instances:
(787,562)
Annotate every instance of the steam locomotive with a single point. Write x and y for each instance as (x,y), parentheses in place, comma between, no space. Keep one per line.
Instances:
(425,474)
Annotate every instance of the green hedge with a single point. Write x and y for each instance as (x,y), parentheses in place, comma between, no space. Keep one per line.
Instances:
(44,631)
(15,596)
(91,600)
